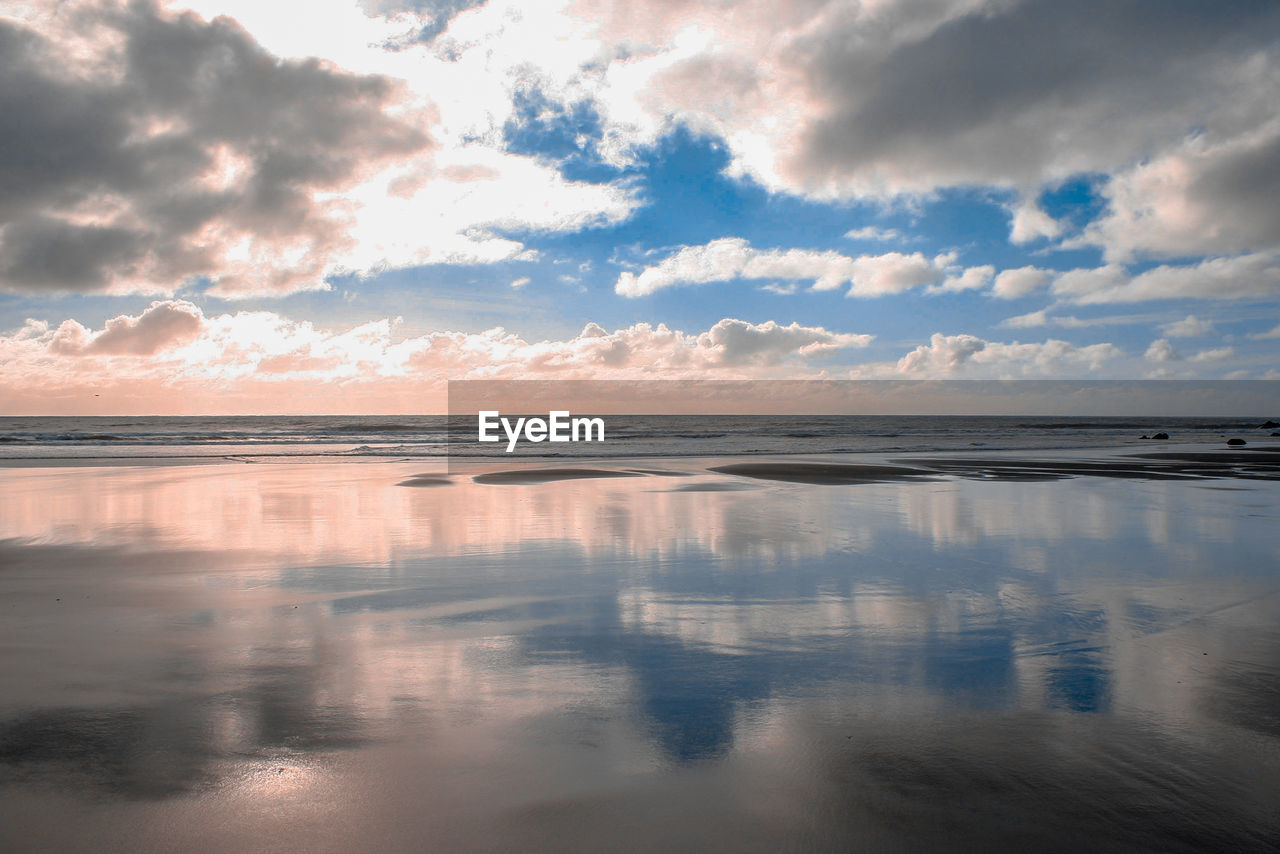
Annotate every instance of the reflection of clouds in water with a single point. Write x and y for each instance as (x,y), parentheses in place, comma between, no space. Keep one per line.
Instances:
(965,513)
(355,512)
(1015,780)
(731,627)
(263,687)
(614,632)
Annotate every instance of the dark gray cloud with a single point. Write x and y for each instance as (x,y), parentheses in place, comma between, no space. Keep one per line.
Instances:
(177,142)
(1017,93)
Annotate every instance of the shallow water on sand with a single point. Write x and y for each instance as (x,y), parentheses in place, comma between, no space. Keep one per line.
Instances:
(373,656)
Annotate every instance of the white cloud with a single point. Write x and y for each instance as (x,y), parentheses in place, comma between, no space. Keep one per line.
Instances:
(1067,321)
(1203,198)
(1189,327)
(172,348)
(1030,223)
(1216,354)
(1019,282)
(1269,334)
(872,232)
(780,289)
(972,279)
(961,355)
(738,342)
(1029,320)
(1161,351)
(867,275)
(520,282)
(1239,277)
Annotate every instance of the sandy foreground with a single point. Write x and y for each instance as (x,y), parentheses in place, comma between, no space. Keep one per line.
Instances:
(942,652)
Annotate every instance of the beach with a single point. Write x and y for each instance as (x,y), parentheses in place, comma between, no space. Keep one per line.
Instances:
(947,651)
(599,426)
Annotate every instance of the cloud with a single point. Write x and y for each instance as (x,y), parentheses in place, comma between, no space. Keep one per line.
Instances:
(427,19)
(837,99)
(1029,320)
(172,355)
(1161,351)
(520,282)
(1030,223)
(739,342)
(1215,355)
(972,279)
(143,150)
(780,289)
(732,258)
(872,232)
(1019,282)
(1204,197)
(1173,111)
(1066,321)
(1189,327)
(1240,277)
(956,355)
(163,325)
(1269,334)
(913,96)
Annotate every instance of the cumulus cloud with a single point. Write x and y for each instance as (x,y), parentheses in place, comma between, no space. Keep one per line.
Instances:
(163,325)
(867,275)
(1019,282)
(832,98)
(1161,351)
(837,98)
(739,342)
(972,279)
(1202,198)
(1189,327)
(1216,354)
(1030,223)
(1243,276)
(142,150)
(958,355)
(172,346)
(872,232)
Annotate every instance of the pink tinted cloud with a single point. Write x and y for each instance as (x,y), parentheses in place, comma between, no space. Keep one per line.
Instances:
(171,358)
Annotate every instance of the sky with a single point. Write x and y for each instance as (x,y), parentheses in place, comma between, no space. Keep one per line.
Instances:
(229,206)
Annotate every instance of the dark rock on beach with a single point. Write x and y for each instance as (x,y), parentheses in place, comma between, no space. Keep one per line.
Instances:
(1268,425)
(1236,442)
(1160,436)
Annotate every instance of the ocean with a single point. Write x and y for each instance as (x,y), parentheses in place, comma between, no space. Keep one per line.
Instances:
(627,436)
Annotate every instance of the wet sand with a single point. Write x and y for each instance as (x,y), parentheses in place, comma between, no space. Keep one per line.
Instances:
(943,653)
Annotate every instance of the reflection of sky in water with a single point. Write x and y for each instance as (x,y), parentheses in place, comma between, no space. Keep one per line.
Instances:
(227,635)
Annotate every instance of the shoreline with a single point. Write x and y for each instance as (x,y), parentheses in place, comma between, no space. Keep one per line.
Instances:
(1173,461)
